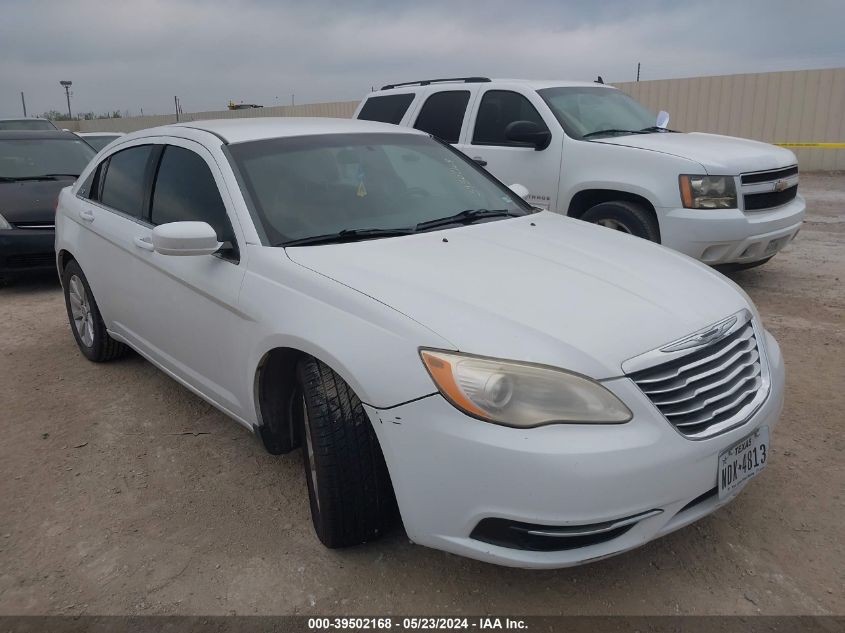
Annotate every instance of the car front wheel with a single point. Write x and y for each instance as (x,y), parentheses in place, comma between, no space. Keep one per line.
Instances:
(626,217)
(86,323)
(349,487)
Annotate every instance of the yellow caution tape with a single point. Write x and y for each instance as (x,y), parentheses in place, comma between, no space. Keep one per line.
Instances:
(820,145)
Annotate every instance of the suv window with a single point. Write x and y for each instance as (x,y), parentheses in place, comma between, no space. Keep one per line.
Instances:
(185,190)
(442,114)
(387,109)
(124,180)
(498,109)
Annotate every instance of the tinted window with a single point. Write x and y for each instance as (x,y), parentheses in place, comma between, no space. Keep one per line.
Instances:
(185,190)
(27,124)
(442,114)
(387,109)
(124,180)
(498,109)
(30,158)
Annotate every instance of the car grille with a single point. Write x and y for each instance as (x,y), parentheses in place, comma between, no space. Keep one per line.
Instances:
(35,260)
(760,189)
(712,389)
(34,225)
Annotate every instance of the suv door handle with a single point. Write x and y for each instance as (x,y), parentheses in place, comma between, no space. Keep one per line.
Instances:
(144,243)
(86,214)
(480,161)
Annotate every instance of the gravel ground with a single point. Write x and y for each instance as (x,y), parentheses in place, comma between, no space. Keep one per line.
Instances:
(122,493)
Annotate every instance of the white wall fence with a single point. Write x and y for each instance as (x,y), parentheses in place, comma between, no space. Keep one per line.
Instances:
(791,107)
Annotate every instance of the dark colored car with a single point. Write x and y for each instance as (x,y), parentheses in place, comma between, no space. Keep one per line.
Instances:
(34,167)
(27,124)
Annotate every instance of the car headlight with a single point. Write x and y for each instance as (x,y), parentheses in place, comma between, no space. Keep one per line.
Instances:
(4,225)
(708,192)
(521,394)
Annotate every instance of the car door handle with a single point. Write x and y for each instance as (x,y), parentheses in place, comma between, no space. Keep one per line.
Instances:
(144,243)
(87,215)
(480,161)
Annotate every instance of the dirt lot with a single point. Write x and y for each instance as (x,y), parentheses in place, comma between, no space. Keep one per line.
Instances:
(122,493)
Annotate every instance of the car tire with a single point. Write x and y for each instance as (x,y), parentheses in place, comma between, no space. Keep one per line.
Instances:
(85,319)
(349,488)
(626,217)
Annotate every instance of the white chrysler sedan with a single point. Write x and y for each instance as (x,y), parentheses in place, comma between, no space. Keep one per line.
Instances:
(523,388)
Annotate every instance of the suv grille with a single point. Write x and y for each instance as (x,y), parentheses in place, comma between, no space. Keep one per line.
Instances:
(757,201)
(712,389)
(769,189)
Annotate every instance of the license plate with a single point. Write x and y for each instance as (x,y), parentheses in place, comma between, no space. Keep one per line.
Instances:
(742,461)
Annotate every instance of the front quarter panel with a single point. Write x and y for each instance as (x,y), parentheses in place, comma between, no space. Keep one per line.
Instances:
(373,347)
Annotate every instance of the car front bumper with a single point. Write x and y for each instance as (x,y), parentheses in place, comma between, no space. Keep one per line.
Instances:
(731,236)
(450,472)
(26,250)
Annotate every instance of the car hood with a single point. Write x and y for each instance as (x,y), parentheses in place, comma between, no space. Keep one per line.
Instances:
(31,200)
(543,288)
(722,155)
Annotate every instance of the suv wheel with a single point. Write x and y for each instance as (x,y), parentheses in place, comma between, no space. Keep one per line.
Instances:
(628,217)
(86,323)
(349,488)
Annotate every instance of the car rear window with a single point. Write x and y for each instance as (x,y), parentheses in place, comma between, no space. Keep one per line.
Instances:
(442,114)
(386,108)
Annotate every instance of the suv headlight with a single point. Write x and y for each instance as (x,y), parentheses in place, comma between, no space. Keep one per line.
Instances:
(708,192)
(520,394)
(3,224)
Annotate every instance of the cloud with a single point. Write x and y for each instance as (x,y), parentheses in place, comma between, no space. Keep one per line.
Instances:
(129,56)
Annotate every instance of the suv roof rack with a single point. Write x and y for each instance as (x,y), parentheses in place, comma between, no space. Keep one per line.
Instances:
(426,82)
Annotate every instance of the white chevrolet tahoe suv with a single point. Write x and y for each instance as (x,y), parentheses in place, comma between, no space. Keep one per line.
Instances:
(590,151)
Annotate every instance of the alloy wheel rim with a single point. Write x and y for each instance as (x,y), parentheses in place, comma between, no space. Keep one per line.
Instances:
(309,446)
(80,310)
(616,225)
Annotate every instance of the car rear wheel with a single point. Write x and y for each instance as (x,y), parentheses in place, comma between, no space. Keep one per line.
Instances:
(86,323)
(624,216)
(349,487)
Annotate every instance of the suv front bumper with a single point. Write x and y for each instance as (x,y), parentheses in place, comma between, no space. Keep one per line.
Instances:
(26,250)
(731,236)
(450,472)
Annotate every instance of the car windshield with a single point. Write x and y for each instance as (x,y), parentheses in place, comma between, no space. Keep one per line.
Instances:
(26,124)
(592,112)
(302,187)
(31,158)
(99,142)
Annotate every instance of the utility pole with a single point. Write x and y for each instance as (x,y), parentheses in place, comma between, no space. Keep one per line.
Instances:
(176,104)
(23,103)
(292,99)
(638,71)
(67,85)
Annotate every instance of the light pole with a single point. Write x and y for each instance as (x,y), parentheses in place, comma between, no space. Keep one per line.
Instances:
(67,85)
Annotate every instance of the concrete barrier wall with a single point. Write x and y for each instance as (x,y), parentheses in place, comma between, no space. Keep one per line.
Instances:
(804,106)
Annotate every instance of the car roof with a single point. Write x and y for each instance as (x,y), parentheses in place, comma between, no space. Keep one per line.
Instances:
(23,118)
(531,84)
(28,135)
(239,130)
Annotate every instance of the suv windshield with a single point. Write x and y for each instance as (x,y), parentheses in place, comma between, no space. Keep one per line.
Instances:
(364,186)
(587,111)
(32,158)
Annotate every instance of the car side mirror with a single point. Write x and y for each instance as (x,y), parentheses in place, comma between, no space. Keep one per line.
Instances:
(528,132)
(520,190)
(185,238)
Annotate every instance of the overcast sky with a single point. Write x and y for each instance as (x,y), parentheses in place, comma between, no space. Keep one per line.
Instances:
(124,55)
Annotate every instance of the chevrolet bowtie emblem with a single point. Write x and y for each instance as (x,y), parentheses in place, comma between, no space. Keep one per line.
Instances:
(702,337)
(780,185)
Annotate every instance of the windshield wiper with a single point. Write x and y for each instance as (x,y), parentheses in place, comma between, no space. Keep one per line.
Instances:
(347,235)
(654,128)
(613,131)
(469,216)
(41,177)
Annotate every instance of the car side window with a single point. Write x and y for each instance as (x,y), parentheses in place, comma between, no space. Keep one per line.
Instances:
(185,190)
(442,114)
(498,109)
(124,180)
(386,108)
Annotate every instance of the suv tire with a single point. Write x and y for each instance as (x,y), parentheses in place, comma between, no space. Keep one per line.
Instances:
(624,216)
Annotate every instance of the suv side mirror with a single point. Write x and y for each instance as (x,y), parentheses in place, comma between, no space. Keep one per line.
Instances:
(185,238)
(528,132)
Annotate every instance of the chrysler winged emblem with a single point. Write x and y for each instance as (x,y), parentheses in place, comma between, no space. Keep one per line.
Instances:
(702,337)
